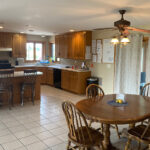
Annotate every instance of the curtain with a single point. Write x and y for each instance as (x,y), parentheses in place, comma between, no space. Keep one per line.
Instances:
(147,61)
(128,66)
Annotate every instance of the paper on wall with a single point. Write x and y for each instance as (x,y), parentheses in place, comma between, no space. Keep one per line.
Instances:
(94,58)
(93,46)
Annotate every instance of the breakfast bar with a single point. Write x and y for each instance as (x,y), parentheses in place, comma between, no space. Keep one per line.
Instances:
(17,81)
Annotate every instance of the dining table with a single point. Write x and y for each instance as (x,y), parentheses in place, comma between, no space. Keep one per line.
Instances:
(99,109)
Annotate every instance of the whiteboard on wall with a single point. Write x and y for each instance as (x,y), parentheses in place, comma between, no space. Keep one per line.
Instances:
(108,51)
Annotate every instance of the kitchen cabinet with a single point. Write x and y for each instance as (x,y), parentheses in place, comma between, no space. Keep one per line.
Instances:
(73,45)
(44,76)
(6,40)
(74,81)
(49,76)
(19,45)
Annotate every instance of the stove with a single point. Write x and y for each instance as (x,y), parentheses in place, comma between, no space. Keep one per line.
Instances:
(4,64)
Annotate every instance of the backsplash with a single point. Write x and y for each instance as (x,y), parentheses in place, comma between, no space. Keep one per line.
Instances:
(71,62)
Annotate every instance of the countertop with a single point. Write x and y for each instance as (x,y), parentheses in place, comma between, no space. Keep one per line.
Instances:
(57,66)
(21,73)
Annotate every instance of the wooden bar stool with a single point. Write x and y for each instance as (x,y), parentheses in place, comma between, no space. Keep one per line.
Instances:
(29,81)
(6,85)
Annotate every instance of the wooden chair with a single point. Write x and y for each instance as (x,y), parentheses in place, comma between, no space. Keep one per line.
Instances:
(145,91)
(80,133)
(141,133)
(6,84)
(95,91)
(29,81)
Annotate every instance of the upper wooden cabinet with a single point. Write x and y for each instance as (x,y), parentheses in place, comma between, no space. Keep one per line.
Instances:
(6,40)
(19,45)
(73,45)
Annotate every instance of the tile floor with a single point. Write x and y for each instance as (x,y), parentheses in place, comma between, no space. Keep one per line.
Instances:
(42,126)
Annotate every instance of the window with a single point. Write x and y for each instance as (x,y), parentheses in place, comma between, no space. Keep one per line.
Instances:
(34,51)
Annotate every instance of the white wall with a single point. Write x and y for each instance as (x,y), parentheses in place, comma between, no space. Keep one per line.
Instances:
(105,71)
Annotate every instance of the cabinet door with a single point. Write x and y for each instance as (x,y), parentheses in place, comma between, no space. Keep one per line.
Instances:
(23,41)
(16,45)
(74,81)
(79,45)
(57,54)
(65,79)
(5,40)
(43,77)
(70,46)
(49,76)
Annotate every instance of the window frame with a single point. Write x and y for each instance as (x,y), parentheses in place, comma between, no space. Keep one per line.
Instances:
(34,51)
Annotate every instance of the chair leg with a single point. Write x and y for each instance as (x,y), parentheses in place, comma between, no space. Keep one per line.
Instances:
(9,100)
(128,144)
(90,123)
(149,146)
(116,126)
(102,127)
(139,146)
(33,94)
(22,94)
(68,146)
(102,146)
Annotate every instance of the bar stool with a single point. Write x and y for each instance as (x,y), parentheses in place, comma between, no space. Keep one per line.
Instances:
(6,84)
(29,81)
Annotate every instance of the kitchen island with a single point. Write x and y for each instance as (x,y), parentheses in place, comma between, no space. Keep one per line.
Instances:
(17,80)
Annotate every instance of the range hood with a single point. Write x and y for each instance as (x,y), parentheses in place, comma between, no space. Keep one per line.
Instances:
(5,49)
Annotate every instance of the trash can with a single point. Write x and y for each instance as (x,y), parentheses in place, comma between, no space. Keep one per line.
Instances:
(92,80)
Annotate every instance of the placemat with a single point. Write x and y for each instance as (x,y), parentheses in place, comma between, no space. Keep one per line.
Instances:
(113,103)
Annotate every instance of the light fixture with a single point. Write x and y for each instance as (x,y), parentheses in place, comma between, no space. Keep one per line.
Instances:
(42,36)
(1,27)
(21,32)
(71,30)
(114,40)
(125,40)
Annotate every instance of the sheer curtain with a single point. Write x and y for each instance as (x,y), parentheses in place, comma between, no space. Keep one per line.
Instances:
(147,62)
(128,66)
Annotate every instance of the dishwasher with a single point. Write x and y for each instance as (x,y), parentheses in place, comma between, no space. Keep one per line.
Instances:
(57,77)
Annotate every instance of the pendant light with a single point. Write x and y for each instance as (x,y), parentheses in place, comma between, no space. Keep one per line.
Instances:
(114,40)
(125,40)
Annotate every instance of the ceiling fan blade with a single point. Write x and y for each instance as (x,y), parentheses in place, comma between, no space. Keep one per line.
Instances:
(138,30)
(112,28)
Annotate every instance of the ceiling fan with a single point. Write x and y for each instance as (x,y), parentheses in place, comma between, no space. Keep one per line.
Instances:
(123,26)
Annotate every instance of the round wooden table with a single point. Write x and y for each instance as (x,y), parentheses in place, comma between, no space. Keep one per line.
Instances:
(138,109)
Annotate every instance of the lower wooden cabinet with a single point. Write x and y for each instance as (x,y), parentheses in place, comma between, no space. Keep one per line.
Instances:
(44,76)
(74,81)
(49,76)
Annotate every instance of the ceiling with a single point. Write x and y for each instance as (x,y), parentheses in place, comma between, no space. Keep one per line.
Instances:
(48,17)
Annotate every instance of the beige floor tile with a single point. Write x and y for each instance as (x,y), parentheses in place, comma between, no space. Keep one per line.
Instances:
(37,146)
(50,126)
(29,140)
(37,130)
(4,132)
(22,134)
(17,128)
(21,148)
(52,141)
(12,145)
(63,137)
(7,138)
(62,146)
(58,131)
(1,148)
(44,135)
